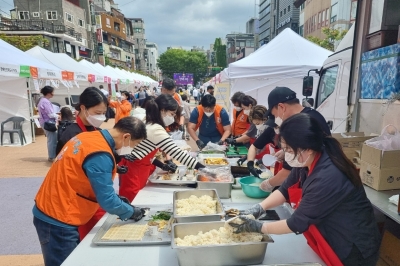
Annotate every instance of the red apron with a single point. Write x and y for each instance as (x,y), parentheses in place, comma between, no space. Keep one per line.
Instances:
(85,229)
(314,238)
(135,179)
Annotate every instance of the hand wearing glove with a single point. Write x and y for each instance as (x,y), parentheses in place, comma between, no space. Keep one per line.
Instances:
(122,169)
(266,186)
(230,141)
(200,144)
(221,142)
(258,162)
(242,160)
(255,172)
(124,199)
(169,166)
(256,210)
(181,128)
(248,226)
(137,213)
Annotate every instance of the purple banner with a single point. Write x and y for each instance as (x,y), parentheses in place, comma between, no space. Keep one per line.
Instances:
(183,78)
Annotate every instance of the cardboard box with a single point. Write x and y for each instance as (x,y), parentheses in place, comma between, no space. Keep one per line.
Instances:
(386,159)
(380,178)
(353,144)
(389,251)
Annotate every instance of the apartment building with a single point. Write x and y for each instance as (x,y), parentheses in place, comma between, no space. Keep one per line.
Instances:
(238,46)
(314,16)
(153,56)
(287,16)
(139,38)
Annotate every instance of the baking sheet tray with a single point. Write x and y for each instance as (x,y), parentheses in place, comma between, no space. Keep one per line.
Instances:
(284,211)
(163,237)
(154,178)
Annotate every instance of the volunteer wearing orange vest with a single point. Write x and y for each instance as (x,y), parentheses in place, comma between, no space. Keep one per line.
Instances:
(332,210)
(78,183)
(211,120)
(169,87)
(122,107)
(240,122)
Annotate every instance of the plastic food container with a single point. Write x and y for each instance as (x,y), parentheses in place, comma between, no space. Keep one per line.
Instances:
(247,253)
(198,218)
(252,191)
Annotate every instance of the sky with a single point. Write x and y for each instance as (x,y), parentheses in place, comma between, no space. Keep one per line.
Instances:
(185,23)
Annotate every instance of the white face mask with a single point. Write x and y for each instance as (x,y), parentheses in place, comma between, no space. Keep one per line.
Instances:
(276,131)
(95,120)
(246,112)
(168,120)
(260,127)
(294,161)
(279,120)
(125,149)
(208,114)
(238,108)
(123,98)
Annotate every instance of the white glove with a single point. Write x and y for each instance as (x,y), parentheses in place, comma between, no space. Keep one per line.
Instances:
(266,186)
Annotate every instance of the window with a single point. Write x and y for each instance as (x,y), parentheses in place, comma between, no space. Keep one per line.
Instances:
(334,12)
(284,11)
(23,14)
(319,20)
(327,17)
(138,30)
(108,23)
(288,9)
(327,84)
(323,18)
(281,13)
(35,14)
(51,15)
(81,23)
(117,27)
(69,17)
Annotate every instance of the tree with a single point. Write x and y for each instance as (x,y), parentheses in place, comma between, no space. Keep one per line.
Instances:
(220,53)
(332,35)
(181,61)
(25,43)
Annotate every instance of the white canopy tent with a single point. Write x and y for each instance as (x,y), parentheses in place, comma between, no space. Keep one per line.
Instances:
(282,62)
(15,97)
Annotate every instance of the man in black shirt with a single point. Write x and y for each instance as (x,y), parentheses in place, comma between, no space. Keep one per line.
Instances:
(282,104)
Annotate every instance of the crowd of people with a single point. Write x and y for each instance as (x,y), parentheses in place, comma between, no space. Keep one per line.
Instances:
(311,172)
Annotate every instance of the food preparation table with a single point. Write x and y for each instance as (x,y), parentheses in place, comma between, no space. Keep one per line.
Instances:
(288,248)
(380,200)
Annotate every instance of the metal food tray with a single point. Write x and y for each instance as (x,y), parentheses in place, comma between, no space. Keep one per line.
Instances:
(163,237)
(223,188)
(245,253)
(198,218)
(216,165)
(153,178)
(284,211)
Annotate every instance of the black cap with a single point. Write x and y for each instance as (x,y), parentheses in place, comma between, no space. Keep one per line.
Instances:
(271,121)
(279,95)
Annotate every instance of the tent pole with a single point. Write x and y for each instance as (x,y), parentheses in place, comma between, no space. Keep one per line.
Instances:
(28,84)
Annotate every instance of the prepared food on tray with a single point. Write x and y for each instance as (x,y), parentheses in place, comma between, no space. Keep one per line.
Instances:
(204,205)
(216,161)
(221,174)
(126,232)
(224,235)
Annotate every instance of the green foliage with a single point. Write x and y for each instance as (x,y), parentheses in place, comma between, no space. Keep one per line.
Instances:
(25,43)
(332,35)
(107,61)
(181,61)
(220,53)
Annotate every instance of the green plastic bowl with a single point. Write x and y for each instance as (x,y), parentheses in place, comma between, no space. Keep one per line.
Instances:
(252,191)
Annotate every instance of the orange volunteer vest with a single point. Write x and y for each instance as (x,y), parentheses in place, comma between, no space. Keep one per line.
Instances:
(217,115)
(66,194)
(239,125)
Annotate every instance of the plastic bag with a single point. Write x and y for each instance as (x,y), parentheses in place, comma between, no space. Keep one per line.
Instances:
(214,147)
(386,141)
(182,144)
(176,135)
(220,174)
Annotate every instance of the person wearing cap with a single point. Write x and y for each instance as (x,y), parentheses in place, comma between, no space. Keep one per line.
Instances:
(282,104)
(211,120)
(240,122)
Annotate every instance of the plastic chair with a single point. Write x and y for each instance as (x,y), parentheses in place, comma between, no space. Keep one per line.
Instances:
(17,128)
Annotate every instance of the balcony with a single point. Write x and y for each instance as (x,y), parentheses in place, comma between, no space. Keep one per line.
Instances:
(38,25)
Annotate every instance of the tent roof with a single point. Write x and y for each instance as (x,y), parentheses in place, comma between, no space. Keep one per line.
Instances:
(59,60)
(13,56)
(286,52)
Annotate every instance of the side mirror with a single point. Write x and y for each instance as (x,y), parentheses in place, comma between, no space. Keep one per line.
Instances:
(308,102)
(308,82)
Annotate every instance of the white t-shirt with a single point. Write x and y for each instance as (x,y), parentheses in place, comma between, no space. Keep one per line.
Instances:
(195,93)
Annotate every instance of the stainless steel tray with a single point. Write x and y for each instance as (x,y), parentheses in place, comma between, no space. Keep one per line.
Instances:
(198,218)
(223,188)
(163,237)
(228,254)
(154,178)
(284,211)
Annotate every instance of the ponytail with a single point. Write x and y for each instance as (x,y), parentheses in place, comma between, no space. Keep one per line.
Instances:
(153,113)
(339,159)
